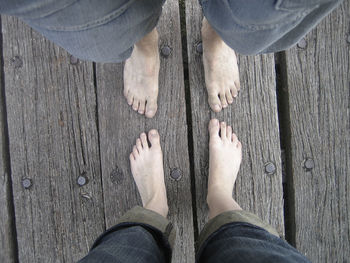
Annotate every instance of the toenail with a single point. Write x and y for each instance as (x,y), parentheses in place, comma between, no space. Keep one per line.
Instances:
(217,107)
(153,132)
(150,112)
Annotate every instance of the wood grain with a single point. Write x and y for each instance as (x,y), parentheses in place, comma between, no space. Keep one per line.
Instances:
(120,126)
(7,235)
(53,136)
(253,116)
(318,82)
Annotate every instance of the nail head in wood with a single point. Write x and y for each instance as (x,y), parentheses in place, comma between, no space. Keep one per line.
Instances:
(165,51)
(270,168)
(309,164)
(176,174)
(82,180)
(199,48)
(302,43)
(73,60)
(26,183)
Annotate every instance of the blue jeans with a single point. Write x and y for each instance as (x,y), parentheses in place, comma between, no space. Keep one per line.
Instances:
(234,242)
(233,236)
(106,30)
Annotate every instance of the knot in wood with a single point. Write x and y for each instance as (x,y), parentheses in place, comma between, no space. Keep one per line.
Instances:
(17,62)
(176,174)
(270,168)
(26,183)
(165,51)
(116,175)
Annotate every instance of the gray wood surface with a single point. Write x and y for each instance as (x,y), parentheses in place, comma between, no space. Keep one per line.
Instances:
(253,116)
(53,136)
(7,237)
(120,126)
(318,84)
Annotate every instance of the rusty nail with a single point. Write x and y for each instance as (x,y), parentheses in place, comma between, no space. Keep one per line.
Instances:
(309,164)
(27,183)
(165,51)
(302,43)
(270,168)
(199,48)
(73,60)
(176,174)
(82,180)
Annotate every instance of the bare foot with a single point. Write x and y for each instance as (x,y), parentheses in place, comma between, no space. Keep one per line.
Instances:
(220,69)
(225,155)
(147,170)
(141,72)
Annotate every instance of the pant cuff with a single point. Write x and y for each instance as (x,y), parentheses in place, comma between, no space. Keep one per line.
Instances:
(232,217)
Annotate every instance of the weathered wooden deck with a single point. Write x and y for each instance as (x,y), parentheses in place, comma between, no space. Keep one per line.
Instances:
(64,120)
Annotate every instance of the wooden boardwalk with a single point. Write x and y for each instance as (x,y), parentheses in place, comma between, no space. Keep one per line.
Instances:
(65,121)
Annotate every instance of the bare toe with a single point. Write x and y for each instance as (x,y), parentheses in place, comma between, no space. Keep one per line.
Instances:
(229,132)
(223,130)
(151,108)
(129,98)
(153,137)
(229,97)
(234,91)
(135,152)
(135,104)
(214,102)
(234,138)
(214,127)
(223,100)
(237,84)
(142,107)
(139,145)
(144,140)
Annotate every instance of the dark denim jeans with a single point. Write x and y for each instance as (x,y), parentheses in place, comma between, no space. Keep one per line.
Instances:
(234,242)
(106,30)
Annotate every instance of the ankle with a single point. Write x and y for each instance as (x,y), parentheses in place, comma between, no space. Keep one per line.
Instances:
(218,205)
(149,43)
(158,205)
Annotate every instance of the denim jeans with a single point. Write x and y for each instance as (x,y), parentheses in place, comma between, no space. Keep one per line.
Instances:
(106,30)
(145,238)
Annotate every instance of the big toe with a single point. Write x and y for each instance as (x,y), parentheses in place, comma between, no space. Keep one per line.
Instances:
(214,127)
(214,102)
(151,109)
(154,138)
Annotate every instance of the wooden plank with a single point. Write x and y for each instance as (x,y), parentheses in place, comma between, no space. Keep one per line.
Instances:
(120,126)
(318,79)
(51,106)
(7,235)
(253,117)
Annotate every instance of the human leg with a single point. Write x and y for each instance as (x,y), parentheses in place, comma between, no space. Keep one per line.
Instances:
(141,72)
(232,234)
(220,69)
(256,27)
(250,28)
(108,32)
(142,234)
